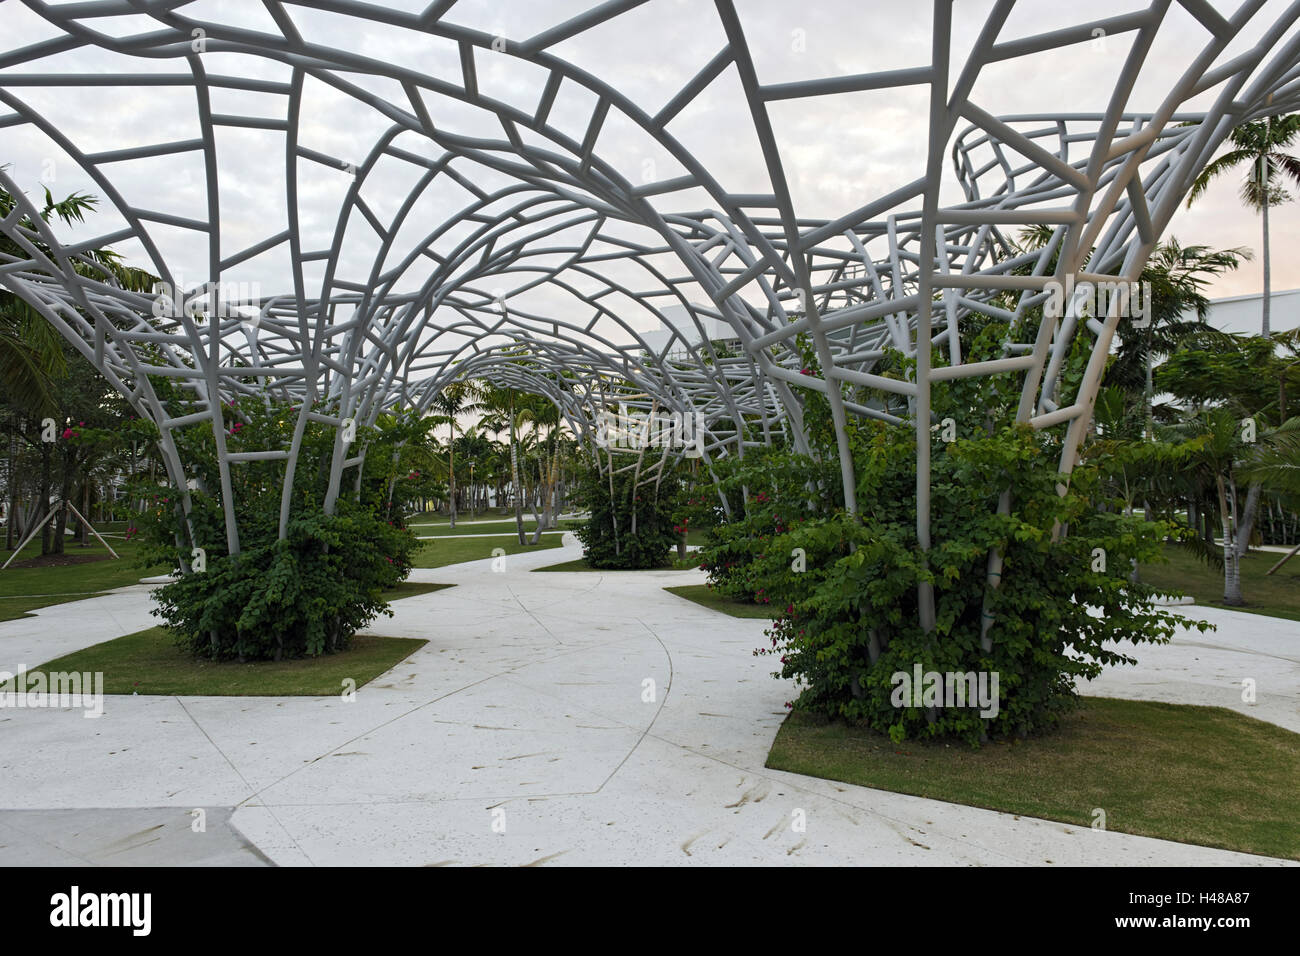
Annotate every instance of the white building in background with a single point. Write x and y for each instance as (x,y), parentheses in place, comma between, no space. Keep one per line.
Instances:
(679,318)
(1244,314)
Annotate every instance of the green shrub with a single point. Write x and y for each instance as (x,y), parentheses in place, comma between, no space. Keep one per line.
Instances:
(305,594)
(847,585)
(632,527)
(770,491)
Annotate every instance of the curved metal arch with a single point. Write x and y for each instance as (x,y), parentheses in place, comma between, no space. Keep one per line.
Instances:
(899,274)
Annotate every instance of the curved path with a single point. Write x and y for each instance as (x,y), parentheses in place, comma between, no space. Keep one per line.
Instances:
(568,718)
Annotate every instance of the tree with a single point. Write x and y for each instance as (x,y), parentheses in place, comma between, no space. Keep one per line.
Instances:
(1258,147)
(1277,465)
(31,353)
(1217,367)
(1228,450)
(504,405)
(30,350)
(89,413)
(477,449)
(1177,277)
(41,376)
(1248,377)
(454,399)
(1156,471)
(543,413)
(415,456)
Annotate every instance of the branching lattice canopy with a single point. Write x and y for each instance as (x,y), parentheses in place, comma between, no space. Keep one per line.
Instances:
(499,210)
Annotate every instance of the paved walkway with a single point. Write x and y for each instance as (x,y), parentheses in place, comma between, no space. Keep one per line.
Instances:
(558,718)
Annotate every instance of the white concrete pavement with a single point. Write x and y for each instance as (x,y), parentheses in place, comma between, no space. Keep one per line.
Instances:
(1210,668)
(63,628)
(525,732)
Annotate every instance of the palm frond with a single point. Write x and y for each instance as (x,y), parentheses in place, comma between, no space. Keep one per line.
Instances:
(1224,164)
(1202,550)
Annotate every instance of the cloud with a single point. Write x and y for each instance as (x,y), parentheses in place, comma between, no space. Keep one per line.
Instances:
(837,152)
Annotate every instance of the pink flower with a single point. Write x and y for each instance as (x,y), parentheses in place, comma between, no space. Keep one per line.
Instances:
(67,433)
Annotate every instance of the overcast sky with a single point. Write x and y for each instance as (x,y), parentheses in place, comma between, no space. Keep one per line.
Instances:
(839,152)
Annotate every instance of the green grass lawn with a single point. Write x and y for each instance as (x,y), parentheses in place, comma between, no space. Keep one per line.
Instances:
(577,564)
(697,536)
(24,589)
(580,564)
(1202,775)
(1277,595)
(112,527)
(487,527)
(705,596)
(149,663)
(438,554)
(411,589)
(442,520)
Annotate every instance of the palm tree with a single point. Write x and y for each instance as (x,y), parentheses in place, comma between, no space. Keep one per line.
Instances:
(476,448)
(1276,464)
(508,408)
(452,401)
(33,356)
(415,448)
(31,352)
(1223,457)
(545,414)
(1157,472)
(1177,276)
(1220,450)
(1258,146)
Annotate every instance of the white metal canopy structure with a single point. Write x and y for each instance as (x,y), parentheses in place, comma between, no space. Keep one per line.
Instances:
(480,235)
